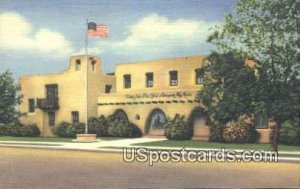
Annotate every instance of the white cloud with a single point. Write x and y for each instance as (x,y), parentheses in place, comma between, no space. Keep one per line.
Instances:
(156,34)
(16,33)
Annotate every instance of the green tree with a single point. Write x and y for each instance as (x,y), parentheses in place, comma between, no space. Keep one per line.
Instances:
(267,31)
(228,88)
(9,99)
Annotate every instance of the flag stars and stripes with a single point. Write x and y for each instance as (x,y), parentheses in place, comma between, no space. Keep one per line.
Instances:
(100,30)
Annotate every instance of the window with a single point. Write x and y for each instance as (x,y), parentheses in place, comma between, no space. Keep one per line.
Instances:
(75,117)
(149,79)
(51,116)
(52,91)
(108,88)
(157,119)
(173,78)
(78,64)
(127,81)
(261,121)
(31,105)
(199,76)
(93,65)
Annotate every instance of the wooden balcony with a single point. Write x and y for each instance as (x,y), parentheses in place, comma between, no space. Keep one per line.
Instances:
(48,104)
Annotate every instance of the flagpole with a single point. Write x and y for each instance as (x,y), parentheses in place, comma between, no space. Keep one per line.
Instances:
(86,76)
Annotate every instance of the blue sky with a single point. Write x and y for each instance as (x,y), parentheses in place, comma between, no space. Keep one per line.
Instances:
(38,37)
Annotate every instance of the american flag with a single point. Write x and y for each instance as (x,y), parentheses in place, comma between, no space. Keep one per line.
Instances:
(100,30)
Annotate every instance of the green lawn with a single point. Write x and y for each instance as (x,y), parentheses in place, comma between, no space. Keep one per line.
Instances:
(204,144)
(48,139)
(34,144)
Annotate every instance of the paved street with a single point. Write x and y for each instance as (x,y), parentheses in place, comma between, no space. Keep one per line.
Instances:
(37,168)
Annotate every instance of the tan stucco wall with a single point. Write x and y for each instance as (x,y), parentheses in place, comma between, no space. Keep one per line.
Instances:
(71,93)
(186,73)
(140,100)
(137,100)
(135,107)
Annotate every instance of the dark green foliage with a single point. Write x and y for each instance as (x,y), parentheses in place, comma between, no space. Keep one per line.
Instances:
(119,127)
(16,129)
(29,131)
(9,129)
(268,33)
(98,126)
(240,131)
(9,99)
(228,88)
(177,129)
(75,128)
(65,129)
(61,129)
(112,126)
(290,132)
(215,133)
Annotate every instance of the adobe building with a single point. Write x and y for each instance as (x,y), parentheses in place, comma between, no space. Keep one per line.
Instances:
(53,98)
(144,92)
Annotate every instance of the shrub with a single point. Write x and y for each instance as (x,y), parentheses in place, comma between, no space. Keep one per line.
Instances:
(242,130)
(215,133)
(61,129)
(2,129)
(98,126)
(29,131)
(65,129)
(119,127)
(10,129)
(177,129)
(290,132)
(16,129)
(135,130)
(75,128)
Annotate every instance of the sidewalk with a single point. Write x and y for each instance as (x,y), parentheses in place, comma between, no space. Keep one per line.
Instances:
(91,146)
(117,145)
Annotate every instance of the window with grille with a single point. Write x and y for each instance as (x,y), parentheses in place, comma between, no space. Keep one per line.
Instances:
(127,81)
(52,91)
(173,78)
(149,79)
(75,117)
(261,121)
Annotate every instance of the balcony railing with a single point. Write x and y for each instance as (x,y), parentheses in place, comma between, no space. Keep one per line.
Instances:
(48,104)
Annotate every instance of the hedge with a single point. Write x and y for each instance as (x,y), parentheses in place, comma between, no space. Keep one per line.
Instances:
(65,129)
(240,131)
(113,126)
(17,129)
(177,129)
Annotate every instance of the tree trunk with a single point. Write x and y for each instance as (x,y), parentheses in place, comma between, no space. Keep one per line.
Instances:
(275,140)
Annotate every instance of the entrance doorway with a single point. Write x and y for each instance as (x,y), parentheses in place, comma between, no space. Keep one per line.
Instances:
(155,123)
(198,121)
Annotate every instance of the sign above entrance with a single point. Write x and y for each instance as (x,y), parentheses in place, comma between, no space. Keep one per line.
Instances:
(159,95)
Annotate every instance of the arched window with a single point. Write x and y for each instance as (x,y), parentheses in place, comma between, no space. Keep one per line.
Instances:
(157,119)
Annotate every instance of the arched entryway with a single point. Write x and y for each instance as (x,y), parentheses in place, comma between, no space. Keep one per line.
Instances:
(198,122)
(155,123)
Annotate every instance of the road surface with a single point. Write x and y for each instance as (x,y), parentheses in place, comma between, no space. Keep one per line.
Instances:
(37,168)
